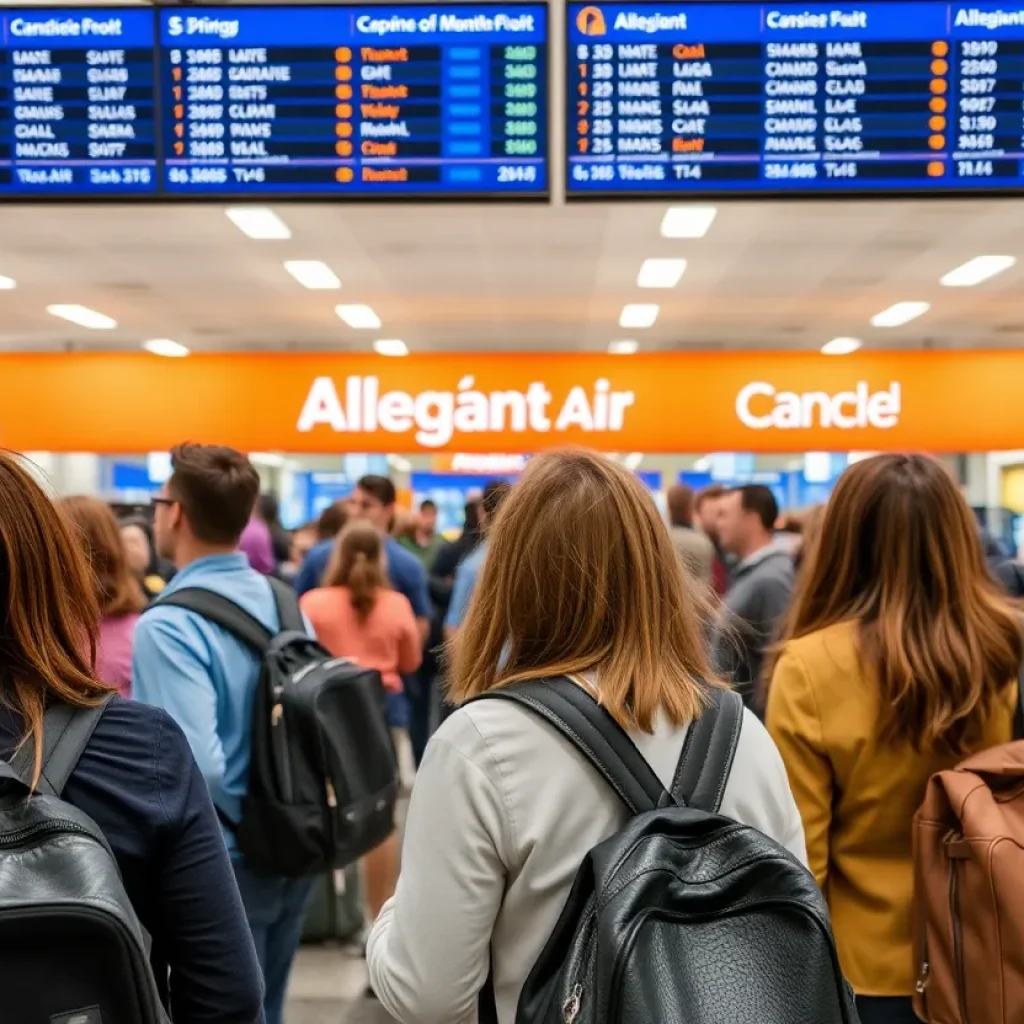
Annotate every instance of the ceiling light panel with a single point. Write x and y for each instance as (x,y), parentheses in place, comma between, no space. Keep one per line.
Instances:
(358,316)
(661,273)
(973,272)
(639,315)
(165,347)
(313,274)
(841,346)
(390,347)
(687,221)
(83,317)
(623,348)
(258,222)
(899,314)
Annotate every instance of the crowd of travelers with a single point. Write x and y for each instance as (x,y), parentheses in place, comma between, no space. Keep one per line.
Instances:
(576,696)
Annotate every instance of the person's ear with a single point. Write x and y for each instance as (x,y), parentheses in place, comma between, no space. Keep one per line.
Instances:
(177,515)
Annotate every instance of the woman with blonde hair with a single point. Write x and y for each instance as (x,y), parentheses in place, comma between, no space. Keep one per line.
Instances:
(356,615)
(581,580)
(897,662)
(118,592)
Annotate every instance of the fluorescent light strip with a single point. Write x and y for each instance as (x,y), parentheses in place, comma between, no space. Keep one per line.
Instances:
(361,317)
(258,222)
(390,347)
(166,348)
(973,272)
(623,348)
(661,273)
(313,274)
(687,221)
(841,346)
(7,283)
(83,317)
(899,314)
(639,315)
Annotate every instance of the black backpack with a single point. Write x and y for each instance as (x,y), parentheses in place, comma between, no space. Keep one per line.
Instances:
(323,778)
(72,950)
(685,916)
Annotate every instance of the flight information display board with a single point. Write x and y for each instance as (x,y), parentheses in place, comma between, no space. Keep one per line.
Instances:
(77,110)
(355,101)
(747,98)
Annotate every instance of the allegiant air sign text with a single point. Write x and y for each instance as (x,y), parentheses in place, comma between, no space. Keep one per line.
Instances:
(436,417)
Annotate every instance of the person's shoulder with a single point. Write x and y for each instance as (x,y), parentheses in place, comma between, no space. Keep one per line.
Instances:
(132,730)
(393,600)
(829,653)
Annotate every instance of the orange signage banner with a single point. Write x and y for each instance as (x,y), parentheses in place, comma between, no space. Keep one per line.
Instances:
(783,402)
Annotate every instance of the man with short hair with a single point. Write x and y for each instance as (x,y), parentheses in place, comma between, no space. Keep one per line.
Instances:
(466,574)
(694,547)
(762,585)
(706,508)
(425,541)
(206,678)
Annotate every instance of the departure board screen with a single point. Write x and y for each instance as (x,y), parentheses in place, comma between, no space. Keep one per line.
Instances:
(77,111)
(746,98)
(355,101)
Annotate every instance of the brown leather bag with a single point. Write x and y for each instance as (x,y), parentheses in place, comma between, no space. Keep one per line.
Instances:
(969,891)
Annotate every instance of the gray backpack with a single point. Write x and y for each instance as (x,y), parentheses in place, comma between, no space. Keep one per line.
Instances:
(72,950)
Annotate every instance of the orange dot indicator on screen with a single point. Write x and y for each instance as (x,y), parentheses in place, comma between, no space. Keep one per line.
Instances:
(343,149)
(344,130)
(939,67)
(344,174)
(937,141)
(937,105)
(345,110)
(940,49)
(343,74)
(343,54)
(343,92)
(937,124)
(936,169)
(939,86)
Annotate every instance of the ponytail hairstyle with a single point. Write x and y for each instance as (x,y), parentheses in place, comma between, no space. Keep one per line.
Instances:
(358,563)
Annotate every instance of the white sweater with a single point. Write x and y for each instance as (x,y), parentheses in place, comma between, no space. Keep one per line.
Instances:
(501,816)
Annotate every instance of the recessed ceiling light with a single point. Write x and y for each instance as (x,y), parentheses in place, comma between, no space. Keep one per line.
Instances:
(633,460)
(900,314)
(7,283)
(313,274)
(687,221)
(660,273)
(258,222)
(83,316)
(390,347)
(165,347)
(841,346)
(359,316)
(623,348)
(638,314)
(973,272)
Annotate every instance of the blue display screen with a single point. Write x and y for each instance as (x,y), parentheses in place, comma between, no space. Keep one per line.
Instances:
(790,99)
(77,110)
(355,101)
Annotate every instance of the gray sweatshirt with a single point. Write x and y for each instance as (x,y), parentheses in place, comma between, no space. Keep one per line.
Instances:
(503,811)
(751,612)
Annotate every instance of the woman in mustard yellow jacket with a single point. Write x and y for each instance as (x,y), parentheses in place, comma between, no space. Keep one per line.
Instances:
(895,663)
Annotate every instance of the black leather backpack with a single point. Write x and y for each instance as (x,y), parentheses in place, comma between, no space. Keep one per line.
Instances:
(72,950)
(685,916)
(323,775)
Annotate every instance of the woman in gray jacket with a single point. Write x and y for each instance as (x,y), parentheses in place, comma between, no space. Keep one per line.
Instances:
(581,580)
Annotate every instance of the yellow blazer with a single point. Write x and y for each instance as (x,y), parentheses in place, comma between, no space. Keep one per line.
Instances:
(857,798)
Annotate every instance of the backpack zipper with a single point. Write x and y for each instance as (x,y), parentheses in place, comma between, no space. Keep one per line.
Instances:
(571,1007)
(42,828)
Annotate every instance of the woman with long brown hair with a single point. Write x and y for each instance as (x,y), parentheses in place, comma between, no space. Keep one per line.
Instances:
(136,778)
(897,662)
(118,593)
(581,580)
(356,615)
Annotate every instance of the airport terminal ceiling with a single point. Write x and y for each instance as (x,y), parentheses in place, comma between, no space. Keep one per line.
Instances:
(471,278)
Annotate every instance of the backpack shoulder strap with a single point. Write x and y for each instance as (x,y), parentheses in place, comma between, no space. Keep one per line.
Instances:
(66,733)
(222,612)
(595,734)
(289,614)
(708,753)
